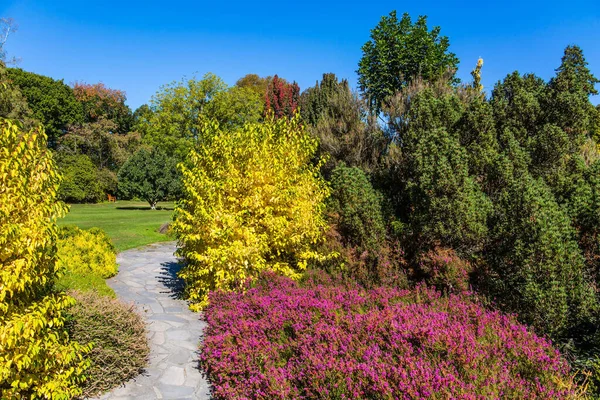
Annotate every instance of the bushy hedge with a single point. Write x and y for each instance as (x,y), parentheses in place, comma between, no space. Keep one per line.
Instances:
(282,341)
(86,252)
(118,337)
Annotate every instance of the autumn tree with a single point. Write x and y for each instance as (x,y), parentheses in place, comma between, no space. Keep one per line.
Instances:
(253,201)
(37,360)
(101,102)
(399,51)
(282,98)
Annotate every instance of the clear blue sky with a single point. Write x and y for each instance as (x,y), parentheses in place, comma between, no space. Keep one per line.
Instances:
(137,46)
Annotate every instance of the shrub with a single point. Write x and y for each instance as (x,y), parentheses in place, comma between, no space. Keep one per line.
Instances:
(385,266)
(254,201)
(281,341)
(37,360)
(118,337)
(87,252)
(357,208)
(445,270)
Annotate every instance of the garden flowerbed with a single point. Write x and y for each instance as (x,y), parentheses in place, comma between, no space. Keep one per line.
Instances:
(282,340)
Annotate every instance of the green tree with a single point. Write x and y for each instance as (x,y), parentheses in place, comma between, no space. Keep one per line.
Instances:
(314,101)
(100,142)
(428,178)
(149,175)
(258,84)
(80,182)
(13,105)
(180,111)
(399,51)
(52,102)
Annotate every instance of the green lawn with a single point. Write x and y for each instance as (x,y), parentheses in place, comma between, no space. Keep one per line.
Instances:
(128,223)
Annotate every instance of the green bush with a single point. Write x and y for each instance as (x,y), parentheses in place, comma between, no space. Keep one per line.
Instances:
(118,337)
(357,208)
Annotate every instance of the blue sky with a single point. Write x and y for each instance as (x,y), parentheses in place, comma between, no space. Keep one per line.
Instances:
(137,46)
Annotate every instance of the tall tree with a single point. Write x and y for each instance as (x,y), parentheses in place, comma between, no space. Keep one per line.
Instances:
(51,101)
(180,111)
(340,120)
(399,51)
(99,101)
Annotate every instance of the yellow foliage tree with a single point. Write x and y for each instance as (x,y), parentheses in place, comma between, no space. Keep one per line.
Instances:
(254,201)
(36,358)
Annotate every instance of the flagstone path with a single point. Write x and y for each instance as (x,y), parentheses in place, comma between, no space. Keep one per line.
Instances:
(147,278)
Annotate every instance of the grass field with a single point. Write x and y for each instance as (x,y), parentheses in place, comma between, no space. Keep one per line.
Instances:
(128,223)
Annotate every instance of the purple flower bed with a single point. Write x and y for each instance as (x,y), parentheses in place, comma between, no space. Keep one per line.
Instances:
(282,341)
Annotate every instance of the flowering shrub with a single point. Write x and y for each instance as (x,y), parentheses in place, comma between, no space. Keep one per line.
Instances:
(279,340)
(445,270)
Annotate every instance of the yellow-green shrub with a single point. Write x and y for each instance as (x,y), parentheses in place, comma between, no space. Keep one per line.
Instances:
(36,358)
(254,201)
(87,252)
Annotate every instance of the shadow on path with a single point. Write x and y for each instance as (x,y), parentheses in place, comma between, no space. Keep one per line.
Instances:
(168,277)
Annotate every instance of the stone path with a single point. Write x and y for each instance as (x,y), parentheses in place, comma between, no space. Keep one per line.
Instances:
(147,277)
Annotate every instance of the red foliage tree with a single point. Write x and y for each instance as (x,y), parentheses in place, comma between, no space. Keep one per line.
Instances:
(282,97)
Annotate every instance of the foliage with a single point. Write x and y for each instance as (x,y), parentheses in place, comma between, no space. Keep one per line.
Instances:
(282,341)
(315,100)
(118,334)
(87,252)
(179,112)
(100,142)
(282,98)
(52,102)
(339,119)
(537,269)
(445,270)
(400,51)
(253,201)
(428,178)
(80,179)
(256,83)
(36,357)
(150,176)
(13,104)
(357,208)
(101,102)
